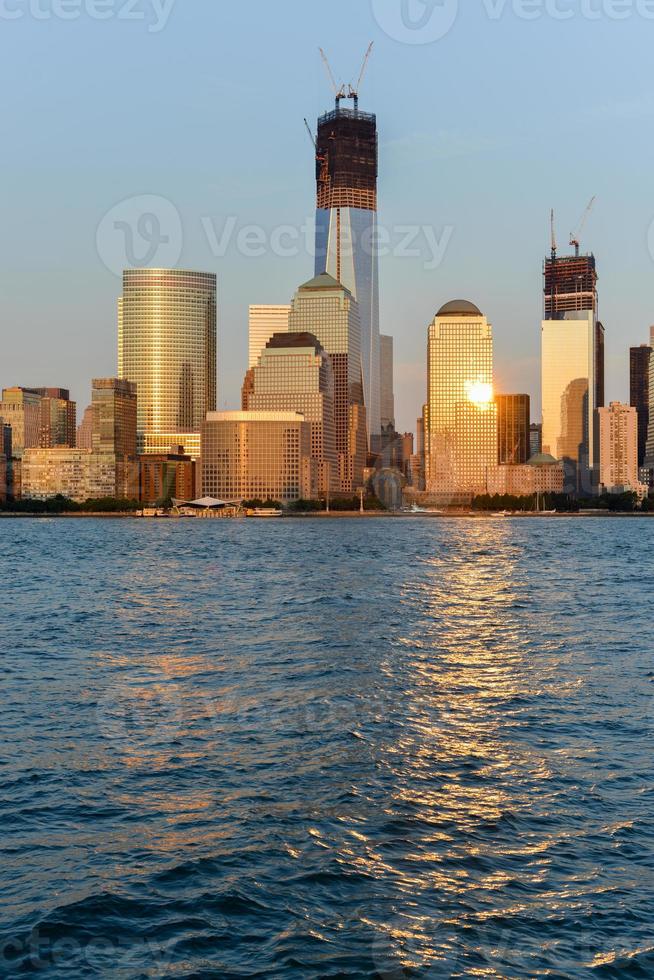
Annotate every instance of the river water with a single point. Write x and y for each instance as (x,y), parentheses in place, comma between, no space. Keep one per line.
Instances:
(348,748)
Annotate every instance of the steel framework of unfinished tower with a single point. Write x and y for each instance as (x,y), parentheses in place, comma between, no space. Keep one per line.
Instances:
(346,225)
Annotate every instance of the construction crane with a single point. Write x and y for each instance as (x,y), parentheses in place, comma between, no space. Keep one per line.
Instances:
(311,136)
(322,159)
(554,248)
(338,92)
(553,268)
(575,239)
(354,92)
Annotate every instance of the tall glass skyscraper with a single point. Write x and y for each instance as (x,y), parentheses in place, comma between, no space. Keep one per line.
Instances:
(294,373)
(326,309)
(167,347)
(461,414)
(513,424)
(346,229)
(639,371)
(569,383)
(263,323)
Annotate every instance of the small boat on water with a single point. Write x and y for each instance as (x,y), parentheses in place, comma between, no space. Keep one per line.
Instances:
(263,512)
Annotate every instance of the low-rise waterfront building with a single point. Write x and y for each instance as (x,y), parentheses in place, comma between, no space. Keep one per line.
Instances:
(167,476)
(257,455)
(77,474)
(542,474)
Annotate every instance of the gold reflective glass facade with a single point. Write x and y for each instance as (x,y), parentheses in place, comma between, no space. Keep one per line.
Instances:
(167,347)
(324,308)
(461,416)
(568,386)
(513,425)
(299,378)
(263,323)
(256,455)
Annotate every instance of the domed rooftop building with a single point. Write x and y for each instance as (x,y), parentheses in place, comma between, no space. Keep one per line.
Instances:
(459,307)
(542,459)
(461,435)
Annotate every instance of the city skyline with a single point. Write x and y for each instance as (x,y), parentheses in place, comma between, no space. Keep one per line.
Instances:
(433,173)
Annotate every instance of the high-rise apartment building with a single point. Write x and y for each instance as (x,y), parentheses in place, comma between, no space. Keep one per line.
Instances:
(263,323)
(114,406)
(167,347)
(58,418)
(257,456)
(513,425)
(649,449)
(461,416)
(346,229)
(618,439)
(535,439)
(294,373)
(387,401)
(21,409)
(639,382)
(85,429)
(542,474)
(568,365)
(326,309)
(114,403)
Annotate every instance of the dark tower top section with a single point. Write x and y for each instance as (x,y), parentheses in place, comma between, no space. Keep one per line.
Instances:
(570,285)
(347,160)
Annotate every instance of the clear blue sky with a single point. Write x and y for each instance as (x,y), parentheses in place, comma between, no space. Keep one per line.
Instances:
(482,131)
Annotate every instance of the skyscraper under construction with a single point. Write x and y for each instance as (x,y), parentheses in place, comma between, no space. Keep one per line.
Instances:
(571,287)
(346,226)
(572,364)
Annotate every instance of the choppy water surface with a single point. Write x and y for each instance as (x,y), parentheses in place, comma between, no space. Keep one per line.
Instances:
(327,749)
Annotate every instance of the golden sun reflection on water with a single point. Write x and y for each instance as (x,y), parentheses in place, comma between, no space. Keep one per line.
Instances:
(459,754)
